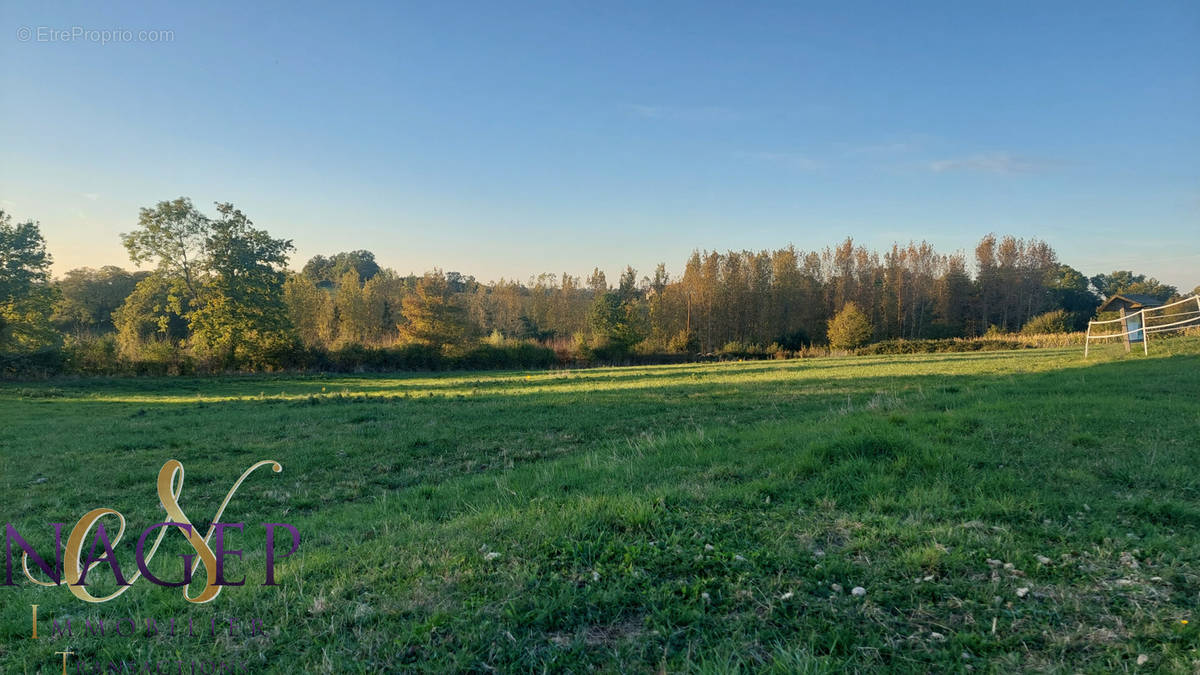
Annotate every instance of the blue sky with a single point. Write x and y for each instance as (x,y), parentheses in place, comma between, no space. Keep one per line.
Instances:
(506,139)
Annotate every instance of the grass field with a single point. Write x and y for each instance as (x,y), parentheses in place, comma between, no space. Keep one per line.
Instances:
(1003,511)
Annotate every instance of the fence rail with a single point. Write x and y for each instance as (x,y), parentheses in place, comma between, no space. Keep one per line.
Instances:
(1143,321)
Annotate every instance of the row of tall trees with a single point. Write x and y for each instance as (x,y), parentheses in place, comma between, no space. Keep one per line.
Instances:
(219,288)
(785,296)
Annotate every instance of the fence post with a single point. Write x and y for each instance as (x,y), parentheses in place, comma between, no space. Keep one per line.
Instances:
(1145,335)
(1125,328)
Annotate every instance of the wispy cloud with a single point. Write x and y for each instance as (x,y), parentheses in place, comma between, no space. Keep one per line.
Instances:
(892,144)
(683,113)
(90,196)
(792,160)
(995,162)
(882,148)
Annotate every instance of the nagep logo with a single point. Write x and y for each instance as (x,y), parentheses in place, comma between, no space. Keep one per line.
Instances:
(73,566)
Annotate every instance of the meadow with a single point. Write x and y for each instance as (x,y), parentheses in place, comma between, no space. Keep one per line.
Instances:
(989,511)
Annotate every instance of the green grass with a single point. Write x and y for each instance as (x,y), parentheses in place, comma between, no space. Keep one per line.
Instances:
(677,518)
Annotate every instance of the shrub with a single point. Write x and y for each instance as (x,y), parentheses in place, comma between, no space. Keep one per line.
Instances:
(162,357)
(850,328)
(606,351)
(741,350)
(39,363)
(1058,321)
(934,346)
(985,344)
(525,355)
(93,355)
(732,348)
(794,341)
(683,342)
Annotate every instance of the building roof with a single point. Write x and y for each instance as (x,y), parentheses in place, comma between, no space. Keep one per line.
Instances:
(1131,301)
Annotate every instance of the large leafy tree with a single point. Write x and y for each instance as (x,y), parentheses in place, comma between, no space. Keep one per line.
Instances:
(432,314)
(155,311)
(26,297)
(90,296)
(242,315)
(24,263)
(224,276)
(310,309)
(850,328)
(172,235)
(327,272)
(360,311)
(1125,281)
(617,319)
(1069,290)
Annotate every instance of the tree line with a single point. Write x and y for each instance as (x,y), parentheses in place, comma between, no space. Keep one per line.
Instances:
(217,291)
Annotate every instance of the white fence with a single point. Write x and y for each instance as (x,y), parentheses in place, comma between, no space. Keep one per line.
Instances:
(1137,327)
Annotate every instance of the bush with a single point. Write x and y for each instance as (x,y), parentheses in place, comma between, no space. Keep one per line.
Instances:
(683,342)
(741,350)
(606,351)
(355,358)
(850,328)
(1058,321)
(508,356)
(937,346)
(980,344)
(794,341)
(163,357)
(93,356)
(32,364)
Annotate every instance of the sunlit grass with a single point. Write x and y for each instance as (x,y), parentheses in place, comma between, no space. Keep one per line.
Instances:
(686,517)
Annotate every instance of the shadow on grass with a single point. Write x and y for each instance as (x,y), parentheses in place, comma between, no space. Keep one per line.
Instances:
(359,447)
(603,506)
